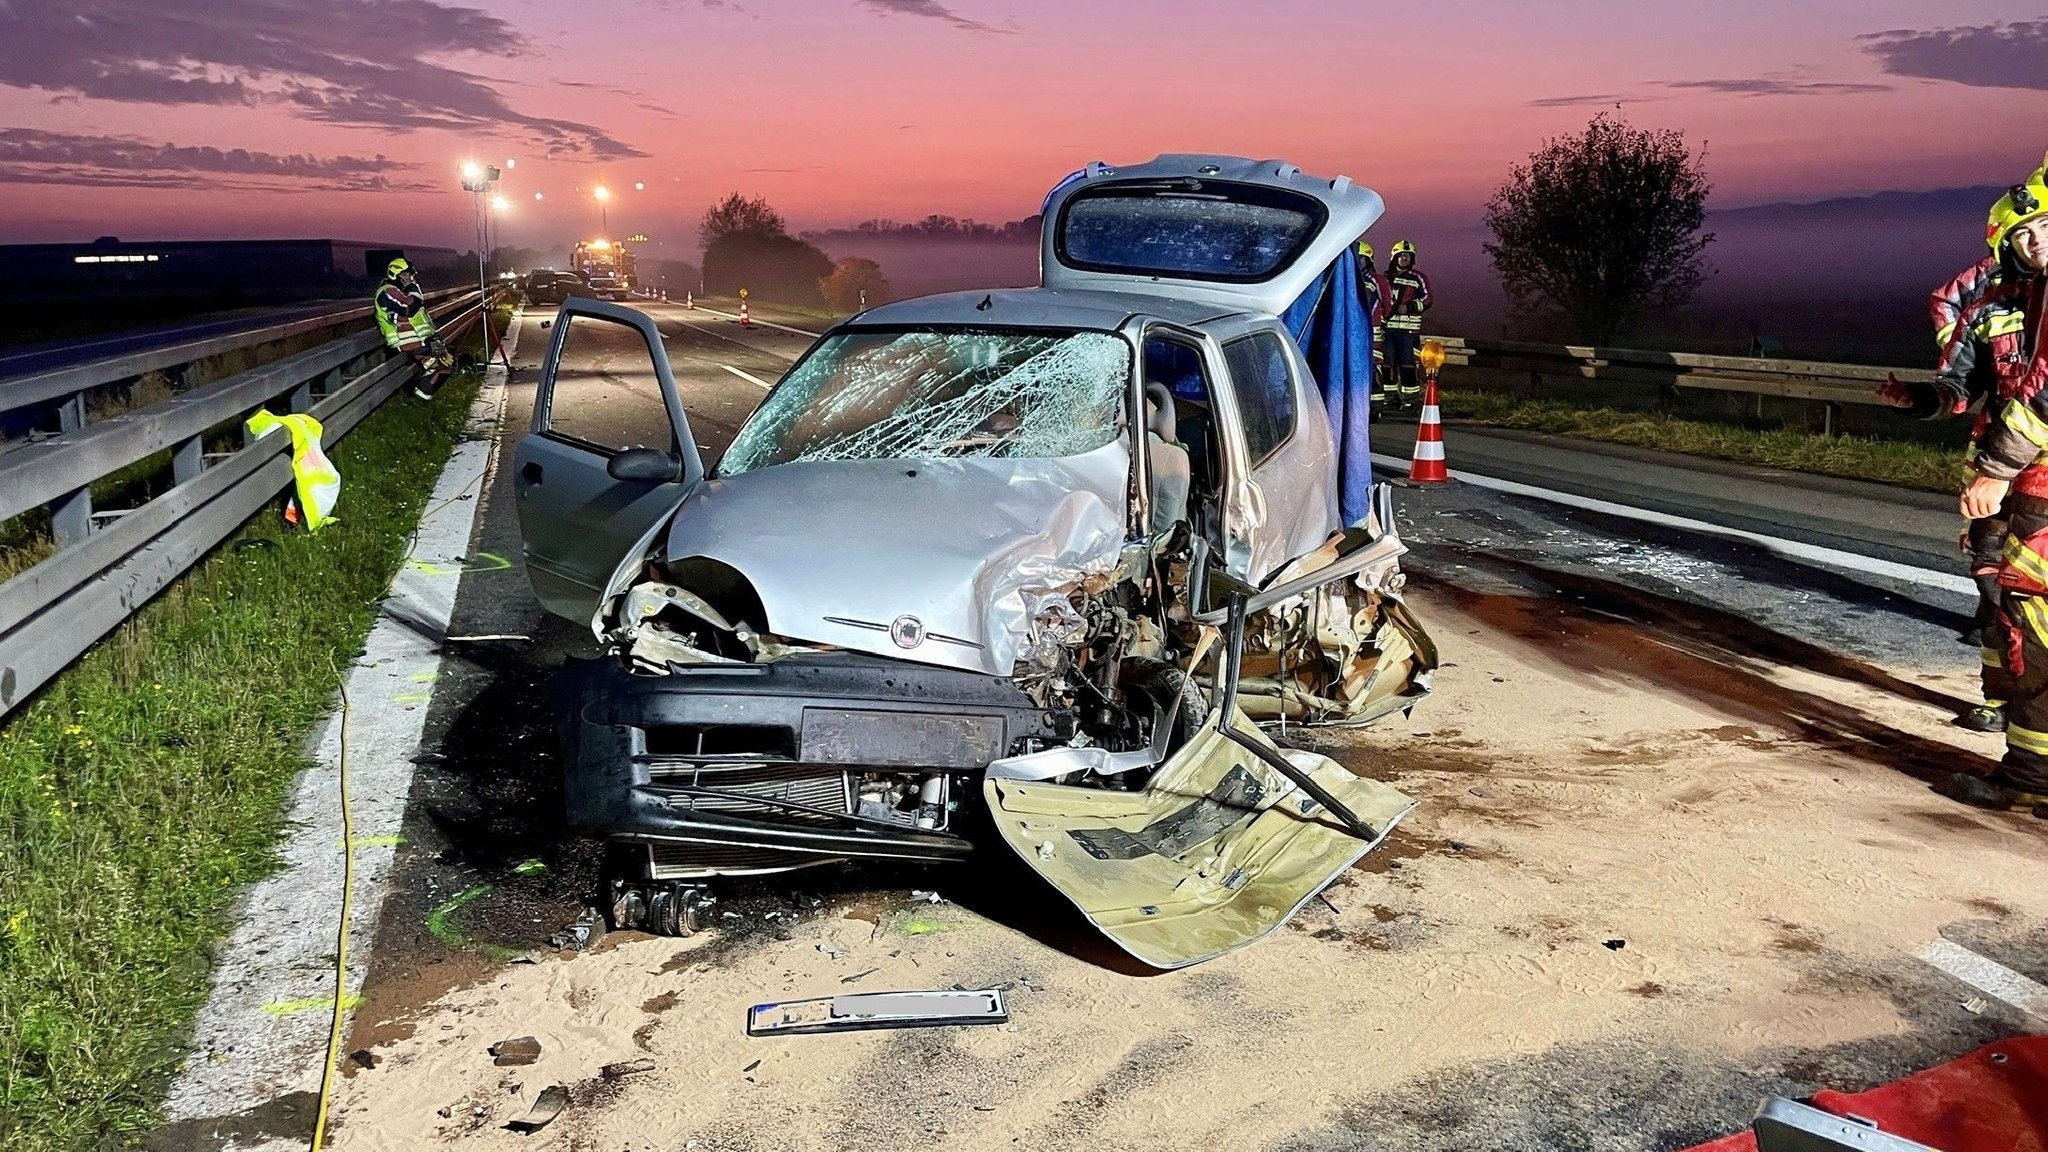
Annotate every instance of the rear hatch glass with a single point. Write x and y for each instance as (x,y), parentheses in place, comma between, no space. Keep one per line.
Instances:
(1187,229)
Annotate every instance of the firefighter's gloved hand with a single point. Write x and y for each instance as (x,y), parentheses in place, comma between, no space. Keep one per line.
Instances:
(1896,392)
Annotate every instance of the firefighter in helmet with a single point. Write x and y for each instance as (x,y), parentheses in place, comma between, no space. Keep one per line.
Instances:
(2011,484)
(407,326)
(1408,299)
(1373,296)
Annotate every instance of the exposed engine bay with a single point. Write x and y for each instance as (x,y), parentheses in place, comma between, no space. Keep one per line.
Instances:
(1116,665)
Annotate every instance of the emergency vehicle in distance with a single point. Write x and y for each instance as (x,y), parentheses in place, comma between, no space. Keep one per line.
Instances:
(606,265)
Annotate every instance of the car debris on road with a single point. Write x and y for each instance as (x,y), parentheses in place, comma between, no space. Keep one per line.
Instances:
(551,1103)
(515,1052)
(1051,554)
(860,1011)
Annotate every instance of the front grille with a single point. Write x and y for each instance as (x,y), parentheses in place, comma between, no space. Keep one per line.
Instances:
(741,784)
(669,860)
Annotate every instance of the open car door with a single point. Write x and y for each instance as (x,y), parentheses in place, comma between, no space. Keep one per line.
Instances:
(605,390)
(1231,834)
(1249,234)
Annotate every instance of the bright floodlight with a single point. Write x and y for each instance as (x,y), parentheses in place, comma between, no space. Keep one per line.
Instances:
(472,171)
(639,186)
(602,192)
(538,196)
(500,204)
(511,164)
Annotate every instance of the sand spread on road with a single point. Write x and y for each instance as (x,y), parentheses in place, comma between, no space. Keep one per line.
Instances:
(1706,855)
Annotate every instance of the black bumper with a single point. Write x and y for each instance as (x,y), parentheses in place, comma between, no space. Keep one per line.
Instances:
(753,767)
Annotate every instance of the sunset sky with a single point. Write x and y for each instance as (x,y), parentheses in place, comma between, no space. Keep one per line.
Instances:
(247,118)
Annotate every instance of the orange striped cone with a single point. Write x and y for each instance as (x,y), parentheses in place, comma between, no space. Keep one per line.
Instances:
(744,322)
(689,299)
(1427,467)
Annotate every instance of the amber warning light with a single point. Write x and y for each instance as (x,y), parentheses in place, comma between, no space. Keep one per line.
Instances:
(1431,356)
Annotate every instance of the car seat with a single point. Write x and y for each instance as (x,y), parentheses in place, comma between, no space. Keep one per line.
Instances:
(1172,473)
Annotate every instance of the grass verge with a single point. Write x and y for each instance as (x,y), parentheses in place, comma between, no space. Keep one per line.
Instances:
(1927,467)
(142,790)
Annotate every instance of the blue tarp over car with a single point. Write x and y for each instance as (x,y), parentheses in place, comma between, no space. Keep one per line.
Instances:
(1335,334)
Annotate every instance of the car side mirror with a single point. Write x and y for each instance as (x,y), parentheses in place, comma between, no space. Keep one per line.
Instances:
(649,465)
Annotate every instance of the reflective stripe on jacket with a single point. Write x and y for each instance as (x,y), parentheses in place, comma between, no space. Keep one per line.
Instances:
(2018,437)
(1410,291)
(402,316)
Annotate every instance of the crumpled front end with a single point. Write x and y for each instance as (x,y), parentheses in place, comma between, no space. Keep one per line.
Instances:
(725,769)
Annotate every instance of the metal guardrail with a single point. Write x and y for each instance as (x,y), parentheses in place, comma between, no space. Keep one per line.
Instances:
(1669,374)
(109,564)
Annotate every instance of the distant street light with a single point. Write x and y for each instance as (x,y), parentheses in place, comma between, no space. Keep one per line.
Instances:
(538,196)
(639,186)
(477,180)
(511,164)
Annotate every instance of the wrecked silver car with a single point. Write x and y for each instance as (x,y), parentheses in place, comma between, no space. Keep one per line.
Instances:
(1041,560)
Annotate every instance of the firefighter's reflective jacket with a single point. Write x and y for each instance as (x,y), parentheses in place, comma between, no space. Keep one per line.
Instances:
(1373,294)
(2017,437)
(316,485)
(1979,320)
(403,318)
(1409,290)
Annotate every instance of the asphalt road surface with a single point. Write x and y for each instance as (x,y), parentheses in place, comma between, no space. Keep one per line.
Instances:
(1675,852)
(31,359)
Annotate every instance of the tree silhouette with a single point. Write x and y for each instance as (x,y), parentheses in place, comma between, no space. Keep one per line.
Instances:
(1603,225)
(738,215)
(852,276)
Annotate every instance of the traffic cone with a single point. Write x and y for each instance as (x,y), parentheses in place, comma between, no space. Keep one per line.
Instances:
(1427,466)
(744,322)
(690,299)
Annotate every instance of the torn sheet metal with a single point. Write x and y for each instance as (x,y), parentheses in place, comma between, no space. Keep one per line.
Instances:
(841,551)
(1216,852)
(859,1011)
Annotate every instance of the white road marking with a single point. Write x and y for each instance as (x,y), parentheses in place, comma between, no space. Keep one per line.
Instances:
(749,377)
(263,1028)
(1989,977)
(756,321)
(1791,549)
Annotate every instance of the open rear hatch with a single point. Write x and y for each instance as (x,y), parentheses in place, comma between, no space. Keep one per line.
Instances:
(1248,234)
(1219,848)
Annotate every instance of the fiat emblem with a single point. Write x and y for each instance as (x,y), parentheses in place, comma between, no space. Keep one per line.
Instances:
(906,631)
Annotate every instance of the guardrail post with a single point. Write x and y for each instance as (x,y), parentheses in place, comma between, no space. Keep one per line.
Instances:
(301,399)
(71,514)
(1829,412)
(188,460)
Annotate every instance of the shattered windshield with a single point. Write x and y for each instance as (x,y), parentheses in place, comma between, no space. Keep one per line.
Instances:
(940,395)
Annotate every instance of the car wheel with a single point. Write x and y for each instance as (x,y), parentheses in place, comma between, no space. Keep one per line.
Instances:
(1167,689)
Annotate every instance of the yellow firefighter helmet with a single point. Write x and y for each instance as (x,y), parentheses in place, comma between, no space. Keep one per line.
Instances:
(1401,246)
(2025,202)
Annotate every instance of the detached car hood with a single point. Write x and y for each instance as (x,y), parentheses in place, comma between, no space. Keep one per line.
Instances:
(925,560)
(1215,852)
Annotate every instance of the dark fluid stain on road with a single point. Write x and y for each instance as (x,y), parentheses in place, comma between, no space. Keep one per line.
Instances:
(289,1117)
(1604,632)
(486,802)
(1636,1095)
(1990,907)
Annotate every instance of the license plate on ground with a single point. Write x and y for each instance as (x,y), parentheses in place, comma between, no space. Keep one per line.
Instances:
(899,739)
(863,1010)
